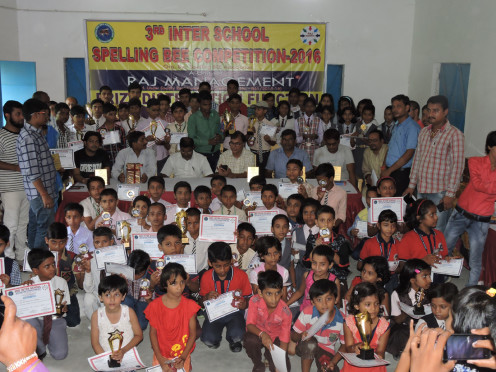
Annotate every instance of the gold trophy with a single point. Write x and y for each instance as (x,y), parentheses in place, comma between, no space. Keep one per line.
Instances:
(132,123)
(91,121)
(250,132)
(153,128)
(418,309)
(364,325)
(125,231)
(115,342)
(181,223)
(144,288)
(229,125)
(59,297)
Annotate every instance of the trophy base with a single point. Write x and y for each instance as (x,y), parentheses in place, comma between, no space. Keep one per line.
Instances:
(418,310)
(126,244)
(112,363)
(366,354)
(185,240)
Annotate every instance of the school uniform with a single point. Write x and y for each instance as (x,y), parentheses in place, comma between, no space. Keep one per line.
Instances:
(231,212)
(242,261)
(418,244)
(200,250)
(82,237)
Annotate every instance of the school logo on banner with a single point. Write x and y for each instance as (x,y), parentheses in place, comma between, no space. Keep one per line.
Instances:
(104,32)
(310,35)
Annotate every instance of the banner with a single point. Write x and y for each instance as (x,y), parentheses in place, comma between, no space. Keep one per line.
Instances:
(165,57)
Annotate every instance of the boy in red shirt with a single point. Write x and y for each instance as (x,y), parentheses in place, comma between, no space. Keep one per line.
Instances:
(268,321)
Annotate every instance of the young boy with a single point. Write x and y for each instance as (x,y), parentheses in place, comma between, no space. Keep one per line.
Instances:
(78,235)
(156,188)
(294,170)
(203,199)
(123,116)
(108,202)
(12,275)
(184,97)
(268,321)
(194,246)
(91,205)
(257,183)
(156,216)
(159,146)
(182,194)
(96,118)
(262,149)
(321,346)
(165,111)
(106,94)
(269,197)
(243,249)
(223,277)
(53,335)
(78,127)
(179,125)
(136,113)
(217,182)
(240,120)
(56,240)
(228,198)
(194,104)
(110,125)
(293,205)
(280,229)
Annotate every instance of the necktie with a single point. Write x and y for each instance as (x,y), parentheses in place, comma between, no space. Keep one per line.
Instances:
(240,261)
(283,123)
(259,135)
(47,327)
(309,248)
(194,247)
(228,211)
(326,198)
(71,244)
(347,129)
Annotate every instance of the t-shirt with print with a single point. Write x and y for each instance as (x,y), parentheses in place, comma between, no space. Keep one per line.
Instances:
(88,164)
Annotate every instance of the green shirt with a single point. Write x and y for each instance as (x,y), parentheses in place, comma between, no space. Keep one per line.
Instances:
(201,130)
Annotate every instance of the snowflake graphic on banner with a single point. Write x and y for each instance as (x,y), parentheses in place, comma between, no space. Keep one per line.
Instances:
(310,35)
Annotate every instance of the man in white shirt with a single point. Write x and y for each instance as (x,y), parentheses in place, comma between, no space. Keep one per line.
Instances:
(187,163)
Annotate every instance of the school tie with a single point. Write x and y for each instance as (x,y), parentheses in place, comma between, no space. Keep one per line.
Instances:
(228,211)
(259,138)
(326,198)
(47,327)
(194,247)
(283,123)
(240,261)
(71,244)
(308,249)
(347,129)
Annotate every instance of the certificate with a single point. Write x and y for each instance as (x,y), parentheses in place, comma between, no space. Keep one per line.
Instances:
(127,192)
(25,264)
(2,271)
(262,221)
(220,307)
(337,173)
(146,241)
(114,253)
(115,268)
(286,189)
(102,173)
(453,267)
(279,358)
(240,195)
(130,362)
(317,326)
(76,145)
(345,141)
(354,360)
(268,130)
(187,260)
(218,228)
(251,172)
(66,157)
(254,197)
(33,300)
(377,205)
(362,229)
(111,138)
(176,137)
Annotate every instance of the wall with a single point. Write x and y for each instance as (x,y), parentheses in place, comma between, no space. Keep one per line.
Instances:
(463,32)
(371,38)
(9,43)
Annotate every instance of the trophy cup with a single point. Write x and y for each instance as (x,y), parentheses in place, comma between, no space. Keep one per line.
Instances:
(322,185)
(418,309)
(132,123)
(115,342)
(90,114)
(250,132)
(125,231)
(181,223)
(59,297)
(160,264)
(144,288)
(229,125)
(325,233)
(107,218)
(300,180)
(364,324)
(153,128)
(83,255)
(236,296)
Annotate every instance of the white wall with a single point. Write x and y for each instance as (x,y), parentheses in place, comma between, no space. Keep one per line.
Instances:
(458,31)
(9,46)
(371,38)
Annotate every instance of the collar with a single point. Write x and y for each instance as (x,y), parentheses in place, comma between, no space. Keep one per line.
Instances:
(421,233)
(338,317)
(381,240)
(443,128)
(283,118)
(308,117)
(30,127)
(314,230)
(229,276)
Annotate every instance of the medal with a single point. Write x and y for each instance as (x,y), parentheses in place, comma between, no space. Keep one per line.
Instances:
(106,216)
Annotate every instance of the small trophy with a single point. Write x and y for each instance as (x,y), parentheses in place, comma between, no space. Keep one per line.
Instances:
(107,218)
(59,297)
(418,309)
(229,125)
(364,324)
(136,214)
(115,342)
(83,255)
(181,223)
(144,288)
(125,232)
(251,131)
(132,123)
(300,180)
(237,295)
(363,127)
(322,185)
(306,131)
(160,264)
(325,233)
(153,128)
(78,264)
(90,114)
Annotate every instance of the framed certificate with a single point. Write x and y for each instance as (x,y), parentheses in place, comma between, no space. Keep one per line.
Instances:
(127,192)
(187,260)
(33,300)
(130,361)
(220,307)
(218,228)
(146,241)
(114,253)
(119,269)
(262,221)
(286,189)
(377,205)
(66,157)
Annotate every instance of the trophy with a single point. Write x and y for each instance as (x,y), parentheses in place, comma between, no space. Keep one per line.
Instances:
(83,255)
(125,232)
(181,223)
(132,123)
(59,297)
(90,114)
(144,288)
(325,233)
(323,185)
(229,125)
(251,132)
(237,295)
(306,131)
(300,180)
(248,203)
(160,264)
(136,214)
(364,324)
(107,218)
(418,309)
(115,342)
(79,135)
(153,128)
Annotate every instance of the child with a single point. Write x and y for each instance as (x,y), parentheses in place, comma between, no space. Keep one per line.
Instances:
(294,170)
(268,249)
(91,204)
(172,320)
(123,115)
(217,182)
(388,124)
(285,118)
(242,250)
(194,246)
(160,146)
(261,144)
(365,298)
(179,125)
(203,199)
(326,116)
(280,229)
(268,321)
(362,216)
(269,197)
(12,275)
(53,335)
(368,125)
(156,216)
(194,104)
(441,298)
(110,115)
(114,317)
(222,278)
(293,205)
(321,346)
(140,261)
(182,194)
(386,188)
(240,120)
(348,122)
(165,111)
(308,128)
(228,198)
(257,183)
(108,201)
(156,188)
(77,234)
(142,204)
(415,279)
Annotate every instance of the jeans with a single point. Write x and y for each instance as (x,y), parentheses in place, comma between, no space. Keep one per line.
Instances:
(477,233)
(139,308)
(212,332)
(212,158)
(39,220)
(442,217)
(73,317)
(16,218)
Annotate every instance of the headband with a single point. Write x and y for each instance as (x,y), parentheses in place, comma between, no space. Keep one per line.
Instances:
(420,204)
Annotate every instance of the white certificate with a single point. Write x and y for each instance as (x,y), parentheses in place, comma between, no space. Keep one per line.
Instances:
(114,253)
(127,192)
(76,145)
(111,138)
(377,205)
(268,130)
(33,300)
(130,362)
(240,195)
(66,157)
(218,228)
(176,137)
(279,358)
(453,267)
(25,264)
(393,265)
(286,189)
(317,326)
(146,241)
(2,271)
(254,197)
(220,307)
(115,268)
(362,229)
(187,260)
(354,360)
(345,141)
(262,221)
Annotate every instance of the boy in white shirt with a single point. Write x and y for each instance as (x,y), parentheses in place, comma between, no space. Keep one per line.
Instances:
(77,235)
(179,125)
(111,213)
(182,194)
(91,205)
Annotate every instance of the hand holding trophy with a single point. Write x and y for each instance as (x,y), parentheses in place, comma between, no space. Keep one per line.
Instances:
(364,325)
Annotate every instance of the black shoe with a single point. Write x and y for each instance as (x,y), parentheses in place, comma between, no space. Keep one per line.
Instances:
(42,356)
(236,347)
(214,346)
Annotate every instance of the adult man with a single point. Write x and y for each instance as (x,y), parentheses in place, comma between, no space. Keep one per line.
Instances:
(279,157)
(373,156)
(71,102)
(38,172)
(187,163)
(90,158)
(232,88)
(234,163)
(336,154)
(262,141)
(439,160)
(12,194)
(204,129)
(402,144)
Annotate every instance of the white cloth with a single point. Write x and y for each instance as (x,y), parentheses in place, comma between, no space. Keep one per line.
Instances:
(105,327)
(90,206)
(146,158)
(16,218)
(82,236)
(201,255)
(196,167)
(342,157)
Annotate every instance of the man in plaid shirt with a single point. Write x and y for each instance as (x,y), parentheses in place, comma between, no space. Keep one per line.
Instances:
(439,160)
(38,172)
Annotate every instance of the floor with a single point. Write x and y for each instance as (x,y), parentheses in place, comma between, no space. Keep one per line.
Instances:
(203,359)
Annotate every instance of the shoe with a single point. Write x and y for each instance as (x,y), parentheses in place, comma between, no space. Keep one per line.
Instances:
(42,356)
(236,347)
(214,346)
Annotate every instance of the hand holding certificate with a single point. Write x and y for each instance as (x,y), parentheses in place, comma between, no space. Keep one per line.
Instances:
(119,269)
(220,307)
(34,300)
(377,205)
(187,260)
(218,228)
(66,157)
(176,137)
(146,241)
(362,229)
(111,137)
(262,221)
(268,130)
(452,267)
(317,326)
(127,192)
(130,362)
(114,253)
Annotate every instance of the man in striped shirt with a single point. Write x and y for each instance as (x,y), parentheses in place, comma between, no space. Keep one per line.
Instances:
(439,160)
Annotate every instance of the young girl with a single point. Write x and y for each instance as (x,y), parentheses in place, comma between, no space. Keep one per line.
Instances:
(113,317)
(386,188)
(375,270)
(286,120)
(326,100)
(308,130)
(365,298)
(172,320)
(141,204)
(415,279)
(441,298)
(344,101)
(348,122)
(326,116)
